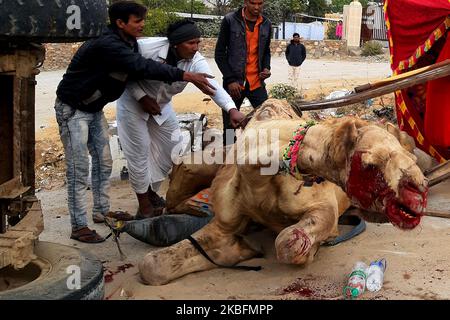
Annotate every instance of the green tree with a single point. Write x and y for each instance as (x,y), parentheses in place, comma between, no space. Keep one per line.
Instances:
(338,5)
(317,8)
(222,7)
(196,6)
(157,21)
(279,11)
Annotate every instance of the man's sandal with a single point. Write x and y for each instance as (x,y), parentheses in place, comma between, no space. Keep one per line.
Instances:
(86,235)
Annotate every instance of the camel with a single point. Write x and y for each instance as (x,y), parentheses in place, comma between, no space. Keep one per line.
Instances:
(363,165)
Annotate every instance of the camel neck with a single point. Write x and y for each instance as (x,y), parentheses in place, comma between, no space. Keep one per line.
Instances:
(316,155)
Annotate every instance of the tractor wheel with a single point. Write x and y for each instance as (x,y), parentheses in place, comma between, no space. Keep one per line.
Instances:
(59,273)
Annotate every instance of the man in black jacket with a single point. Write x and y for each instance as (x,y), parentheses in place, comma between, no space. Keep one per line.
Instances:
(96,76)
(243,56)
(295,55)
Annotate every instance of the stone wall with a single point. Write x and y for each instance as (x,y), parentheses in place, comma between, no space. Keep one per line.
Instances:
(58,55)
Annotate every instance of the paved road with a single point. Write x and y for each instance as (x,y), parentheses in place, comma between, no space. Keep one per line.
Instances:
(314,73)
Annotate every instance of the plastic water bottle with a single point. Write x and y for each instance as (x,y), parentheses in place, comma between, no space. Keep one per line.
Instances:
(375,275)
(356,283)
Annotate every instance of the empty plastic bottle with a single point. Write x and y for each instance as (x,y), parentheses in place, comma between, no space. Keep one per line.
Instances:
(356,283)
(375,275)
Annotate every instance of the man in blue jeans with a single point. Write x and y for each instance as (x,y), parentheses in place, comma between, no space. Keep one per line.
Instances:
(97,75)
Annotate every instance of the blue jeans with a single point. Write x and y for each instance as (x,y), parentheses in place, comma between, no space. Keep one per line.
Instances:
(84,133)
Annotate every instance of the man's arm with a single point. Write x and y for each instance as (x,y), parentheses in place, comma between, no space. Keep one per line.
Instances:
(221,97)
(287,51)
(266,58)
(221,52)
(117,54)
(303,53)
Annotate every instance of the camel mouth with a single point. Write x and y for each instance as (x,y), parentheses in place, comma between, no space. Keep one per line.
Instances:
(407,210)
(369,190)
(402,216)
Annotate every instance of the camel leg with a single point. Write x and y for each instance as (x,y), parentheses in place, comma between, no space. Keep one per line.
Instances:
(298,243)
(161,266)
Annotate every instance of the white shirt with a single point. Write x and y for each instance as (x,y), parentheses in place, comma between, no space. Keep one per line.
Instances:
(157,49)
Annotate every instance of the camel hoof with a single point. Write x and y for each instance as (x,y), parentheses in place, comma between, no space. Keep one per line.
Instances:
(152,271)
(293,246)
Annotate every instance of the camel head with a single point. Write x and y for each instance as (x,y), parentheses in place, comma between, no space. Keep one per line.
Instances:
(381,175)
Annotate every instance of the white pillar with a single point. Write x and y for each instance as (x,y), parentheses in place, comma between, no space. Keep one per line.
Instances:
(353,27)
(345,22)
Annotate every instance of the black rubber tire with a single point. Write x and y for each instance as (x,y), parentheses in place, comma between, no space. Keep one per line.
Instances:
(46,20)
(52,283)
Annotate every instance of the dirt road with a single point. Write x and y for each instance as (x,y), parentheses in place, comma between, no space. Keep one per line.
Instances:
(323,74)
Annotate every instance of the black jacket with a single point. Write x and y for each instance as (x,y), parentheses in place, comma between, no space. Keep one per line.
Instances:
(100,69)
(231,47)
(295,54)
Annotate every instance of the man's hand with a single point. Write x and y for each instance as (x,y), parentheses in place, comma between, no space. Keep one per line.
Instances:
(150,105)
(264,74)
(235,90)
(237,119)
(200,81)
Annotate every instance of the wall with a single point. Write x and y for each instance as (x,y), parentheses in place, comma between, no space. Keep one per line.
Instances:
(307,31)
(58,55)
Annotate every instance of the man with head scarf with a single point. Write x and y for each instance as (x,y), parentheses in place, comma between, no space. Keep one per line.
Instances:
(147,125)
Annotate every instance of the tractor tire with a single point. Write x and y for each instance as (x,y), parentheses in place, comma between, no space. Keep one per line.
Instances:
(52,20)
(57,264)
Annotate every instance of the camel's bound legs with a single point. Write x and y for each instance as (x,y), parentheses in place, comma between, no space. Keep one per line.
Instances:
(161,266)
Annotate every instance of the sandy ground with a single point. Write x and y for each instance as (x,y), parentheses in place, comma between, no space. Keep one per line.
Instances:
(418,263)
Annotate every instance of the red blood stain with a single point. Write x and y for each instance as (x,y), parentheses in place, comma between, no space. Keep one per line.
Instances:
(108,278)
(109,275)
(300,235)
(298,288)
(367,187)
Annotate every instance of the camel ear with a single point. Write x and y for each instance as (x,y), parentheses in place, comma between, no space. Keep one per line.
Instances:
(392,129)
(344,142)
(405,140)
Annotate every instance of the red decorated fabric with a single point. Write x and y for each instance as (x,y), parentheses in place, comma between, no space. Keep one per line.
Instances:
(437,114)
(418,31)
(412,22)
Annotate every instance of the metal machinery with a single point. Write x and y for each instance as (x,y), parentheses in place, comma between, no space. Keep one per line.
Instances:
(24,26)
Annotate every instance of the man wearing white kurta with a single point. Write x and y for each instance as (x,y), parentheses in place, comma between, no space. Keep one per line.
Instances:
(148,137)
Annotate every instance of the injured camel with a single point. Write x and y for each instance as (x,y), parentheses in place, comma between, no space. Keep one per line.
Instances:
(362,164)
